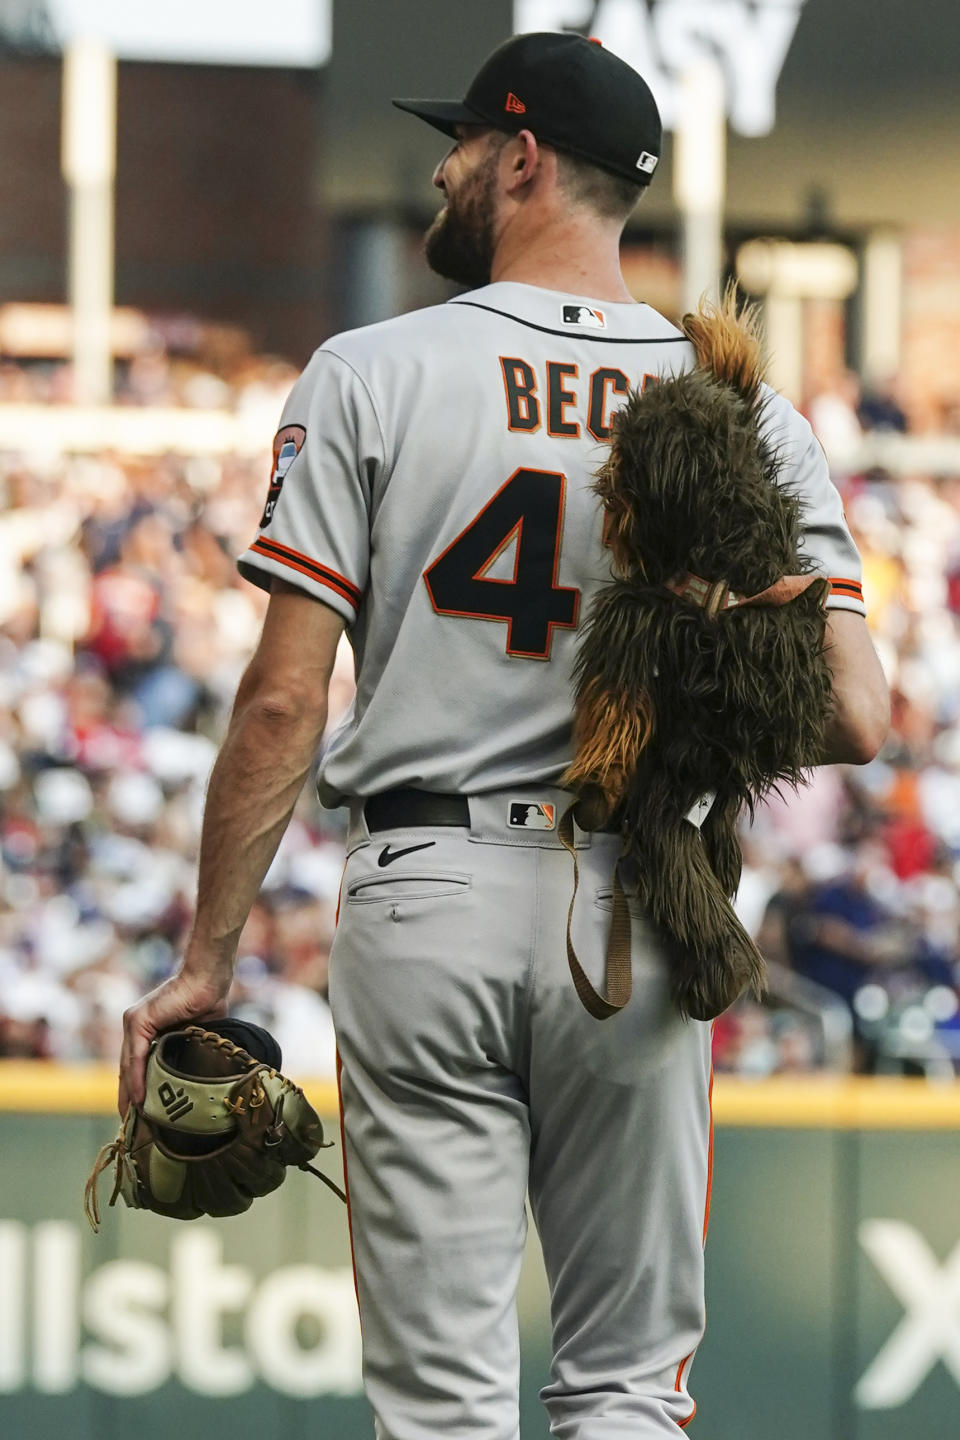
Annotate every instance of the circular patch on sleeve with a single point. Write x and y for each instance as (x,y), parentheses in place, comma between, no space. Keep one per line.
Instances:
(287,444)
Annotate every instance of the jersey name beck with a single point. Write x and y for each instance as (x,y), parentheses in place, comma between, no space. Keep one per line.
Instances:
(558,395)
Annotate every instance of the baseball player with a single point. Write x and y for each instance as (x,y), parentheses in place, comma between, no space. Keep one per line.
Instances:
(431,492)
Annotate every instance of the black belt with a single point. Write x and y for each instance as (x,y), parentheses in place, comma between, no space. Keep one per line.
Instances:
(399,809)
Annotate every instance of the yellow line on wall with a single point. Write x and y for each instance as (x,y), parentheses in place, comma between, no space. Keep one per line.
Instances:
(831,1103)
(814,1102)
(42,1087)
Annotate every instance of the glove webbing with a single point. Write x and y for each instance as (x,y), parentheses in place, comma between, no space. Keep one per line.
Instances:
(618,979)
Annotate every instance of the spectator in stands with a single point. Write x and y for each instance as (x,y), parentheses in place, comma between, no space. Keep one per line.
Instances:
(880,408)
(833,415)
(123,631)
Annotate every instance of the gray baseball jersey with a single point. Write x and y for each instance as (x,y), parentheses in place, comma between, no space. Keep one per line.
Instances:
(431,482)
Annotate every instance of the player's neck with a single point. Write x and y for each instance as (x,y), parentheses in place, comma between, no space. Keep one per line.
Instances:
(575,258)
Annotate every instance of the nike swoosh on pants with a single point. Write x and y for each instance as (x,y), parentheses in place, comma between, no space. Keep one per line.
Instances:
(386,856)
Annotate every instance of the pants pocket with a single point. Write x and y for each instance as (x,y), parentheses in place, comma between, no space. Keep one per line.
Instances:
(383,889)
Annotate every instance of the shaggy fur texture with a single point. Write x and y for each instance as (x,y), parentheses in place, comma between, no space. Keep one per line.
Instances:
(672,703)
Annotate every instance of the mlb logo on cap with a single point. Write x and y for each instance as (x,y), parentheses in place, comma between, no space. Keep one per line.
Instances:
(648,163)
(531,815)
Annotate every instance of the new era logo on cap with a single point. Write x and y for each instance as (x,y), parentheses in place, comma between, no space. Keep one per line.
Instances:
(515,106)
(648,163)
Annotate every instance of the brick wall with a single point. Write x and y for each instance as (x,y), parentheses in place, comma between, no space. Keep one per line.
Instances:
(825,338)
(217,214)
(930,370)
(32,201)
(216,202)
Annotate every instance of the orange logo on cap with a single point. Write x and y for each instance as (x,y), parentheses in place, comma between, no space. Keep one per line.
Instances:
(515,106)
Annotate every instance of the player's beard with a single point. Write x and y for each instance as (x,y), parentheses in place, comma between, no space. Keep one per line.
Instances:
(460,243)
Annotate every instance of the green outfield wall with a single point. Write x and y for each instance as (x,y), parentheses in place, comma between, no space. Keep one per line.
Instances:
(833,1281)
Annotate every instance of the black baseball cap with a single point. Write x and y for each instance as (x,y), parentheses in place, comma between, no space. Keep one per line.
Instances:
(570,91)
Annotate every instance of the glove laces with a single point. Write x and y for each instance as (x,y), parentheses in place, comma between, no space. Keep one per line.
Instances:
(113,1153)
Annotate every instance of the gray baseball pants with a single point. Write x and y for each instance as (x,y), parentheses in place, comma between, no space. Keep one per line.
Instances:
(470,1074)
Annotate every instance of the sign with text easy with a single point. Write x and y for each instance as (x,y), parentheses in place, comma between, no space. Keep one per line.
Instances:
(662,38)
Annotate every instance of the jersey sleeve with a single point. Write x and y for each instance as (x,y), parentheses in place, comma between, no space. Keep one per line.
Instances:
(327,456)
(825,538)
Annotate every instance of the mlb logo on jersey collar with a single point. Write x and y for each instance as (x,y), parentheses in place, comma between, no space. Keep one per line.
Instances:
(586,316)
(531,815)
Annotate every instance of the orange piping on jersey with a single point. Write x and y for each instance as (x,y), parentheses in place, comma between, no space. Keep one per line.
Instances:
(558,542)
(273,550)
(267,546)
(533,404)
(558,545)
(515,534)
(609,374)
(566,398)
(684,1423)
(307,570)
(518,530)
(459,536)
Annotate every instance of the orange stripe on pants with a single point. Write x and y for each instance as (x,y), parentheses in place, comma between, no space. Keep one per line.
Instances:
(346,1183)
(678,1386)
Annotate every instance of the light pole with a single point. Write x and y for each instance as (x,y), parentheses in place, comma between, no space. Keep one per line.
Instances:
(89,162)
(700,177)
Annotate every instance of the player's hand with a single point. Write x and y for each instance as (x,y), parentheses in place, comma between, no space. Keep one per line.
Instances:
(187,998)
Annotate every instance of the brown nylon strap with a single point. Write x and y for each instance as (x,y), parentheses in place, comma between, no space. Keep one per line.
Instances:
(781,592)
(715,597)
(618,980)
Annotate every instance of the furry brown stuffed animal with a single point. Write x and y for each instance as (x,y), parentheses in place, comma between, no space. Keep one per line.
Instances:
(702,667)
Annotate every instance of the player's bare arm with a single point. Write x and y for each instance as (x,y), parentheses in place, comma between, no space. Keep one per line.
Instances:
(861,698)
(275,729)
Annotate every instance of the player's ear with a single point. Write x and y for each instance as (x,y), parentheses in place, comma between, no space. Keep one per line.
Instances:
(524,157)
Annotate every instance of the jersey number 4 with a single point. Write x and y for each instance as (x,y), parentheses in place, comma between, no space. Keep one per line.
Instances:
(526,512)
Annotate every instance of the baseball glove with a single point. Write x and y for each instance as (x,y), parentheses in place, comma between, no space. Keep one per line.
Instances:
(218,1127)
(702,682)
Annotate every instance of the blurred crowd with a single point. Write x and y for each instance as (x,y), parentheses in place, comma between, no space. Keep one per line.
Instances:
(123,631)
(184,363)
(852,885)
(124,628)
